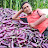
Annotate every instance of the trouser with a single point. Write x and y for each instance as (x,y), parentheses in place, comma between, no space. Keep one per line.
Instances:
(46,32)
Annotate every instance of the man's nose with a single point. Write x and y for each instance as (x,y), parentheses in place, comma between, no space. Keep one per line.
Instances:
(27,8)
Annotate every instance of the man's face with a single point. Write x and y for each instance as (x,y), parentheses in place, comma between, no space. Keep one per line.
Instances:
(27,8)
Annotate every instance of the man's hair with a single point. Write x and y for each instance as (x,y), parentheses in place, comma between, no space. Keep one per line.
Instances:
(23,4)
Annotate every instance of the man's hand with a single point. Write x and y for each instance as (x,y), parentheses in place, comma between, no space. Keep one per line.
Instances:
(31,25)
(21,10)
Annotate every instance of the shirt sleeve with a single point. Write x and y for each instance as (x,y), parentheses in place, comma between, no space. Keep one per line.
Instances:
(40,12)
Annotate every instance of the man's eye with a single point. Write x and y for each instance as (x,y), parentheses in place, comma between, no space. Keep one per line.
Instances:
(27,6)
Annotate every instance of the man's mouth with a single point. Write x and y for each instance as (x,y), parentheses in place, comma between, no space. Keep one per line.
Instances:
(30,13)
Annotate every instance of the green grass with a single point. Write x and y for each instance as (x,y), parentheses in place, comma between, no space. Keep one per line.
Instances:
(16,4)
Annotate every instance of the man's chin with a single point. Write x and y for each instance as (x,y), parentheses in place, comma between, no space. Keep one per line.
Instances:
(29,13)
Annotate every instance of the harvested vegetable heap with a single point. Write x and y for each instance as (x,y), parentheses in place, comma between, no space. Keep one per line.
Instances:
(23,36)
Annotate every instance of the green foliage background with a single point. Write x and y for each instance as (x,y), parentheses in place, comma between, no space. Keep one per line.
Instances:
(16,4)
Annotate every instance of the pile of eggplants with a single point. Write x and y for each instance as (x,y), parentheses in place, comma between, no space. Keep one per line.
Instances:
(23,36)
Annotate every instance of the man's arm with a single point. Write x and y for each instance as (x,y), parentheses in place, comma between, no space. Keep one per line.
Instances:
(40,20)
(42,17)
(15,17)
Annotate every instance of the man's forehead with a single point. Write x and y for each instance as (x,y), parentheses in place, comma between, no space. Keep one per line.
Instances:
(26,4)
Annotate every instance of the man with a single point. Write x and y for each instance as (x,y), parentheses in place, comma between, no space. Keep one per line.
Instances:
(36,19)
